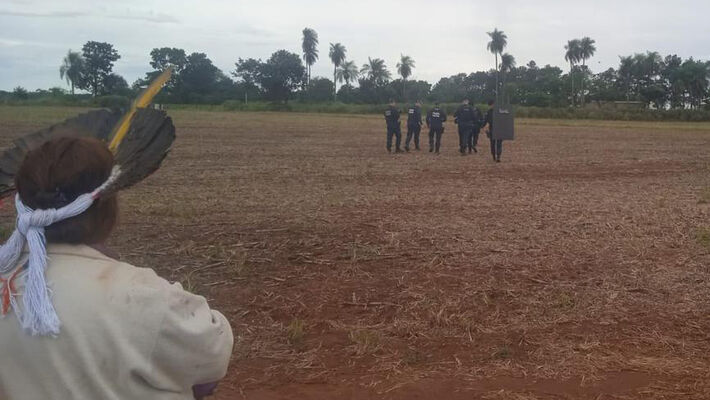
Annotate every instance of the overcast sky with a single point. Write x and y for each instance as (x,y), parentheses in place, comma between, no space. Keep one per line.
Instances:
(444,37)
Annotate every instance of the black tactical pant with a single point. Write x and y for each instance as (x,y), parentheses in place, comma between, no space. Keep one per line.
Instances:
(496,148)
(413,131)
(393,130)
(435,138)
(473,139)
(464,136)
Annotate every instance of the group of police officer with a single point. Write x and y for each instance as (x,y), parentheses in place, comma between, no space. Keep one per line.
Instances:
(469,119)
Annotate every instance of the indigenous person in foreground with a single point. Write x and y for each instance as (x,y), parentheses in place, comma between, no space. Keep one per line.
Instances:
(435,122)
(496,144)
(393,126)
(107,329)
(465,117)
(414,125)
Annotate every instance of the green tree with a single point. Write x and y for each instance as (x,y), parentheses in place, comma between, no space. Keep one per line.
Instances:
(164,57)
(499,40)
(168,57)
(337,56)
(320,90)
(57,91)
(507,65)
(604,86)
(72,69)
(671,77)
(404,69)
(20,93)
(586,51)
(309,44)
(200,76)
(376,71)
(572,55)
(349,94)
(416,90)
(626,75)
(695,75)
(281,74)
(347,72)
(98,64)
(450,89)
(646,80)
(247,73)
(115,84)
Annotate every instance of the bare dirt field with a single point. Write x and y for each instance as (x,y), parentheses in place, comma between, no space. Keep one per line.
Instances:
(575,269)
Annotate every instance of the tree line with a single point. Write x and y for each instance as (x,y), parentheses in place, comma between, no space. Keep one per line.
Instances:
(647,79)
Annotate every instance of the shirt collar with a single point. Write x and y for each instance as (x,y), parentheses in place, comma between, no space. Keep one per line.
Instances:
(79,250)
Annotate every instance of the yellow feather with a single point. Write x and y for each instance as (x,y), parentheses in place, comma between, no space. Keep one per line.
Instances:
(142,101)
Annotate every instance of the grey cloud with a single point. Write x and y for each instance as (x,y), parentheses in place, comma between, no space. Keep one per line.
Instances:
(52,14)
(148,17)
(36,33)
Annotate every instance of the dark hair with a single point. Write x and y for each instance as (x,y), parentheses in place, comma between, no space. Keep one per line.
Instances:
(491,102)
(58,172)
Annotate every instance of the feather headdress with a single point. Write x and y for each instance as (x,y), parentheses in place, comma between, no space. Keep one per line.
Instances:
(139,139)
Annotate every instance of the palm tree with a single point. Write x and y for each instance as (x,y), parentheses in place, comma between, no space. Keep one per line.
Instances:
(337,56)
(347,72)
(572,55)
(72,69)
(376,71)
(404,69)
(586,51)
(310,49)
(496,46)
(507,63)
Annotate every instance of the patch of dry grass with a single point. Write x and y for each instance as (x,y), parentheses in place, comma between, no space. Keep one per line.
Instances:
(296,332)
(365,341)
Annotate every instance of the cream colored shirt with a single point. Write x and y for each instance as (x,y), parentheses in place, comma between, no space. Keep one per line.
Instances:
(126,334)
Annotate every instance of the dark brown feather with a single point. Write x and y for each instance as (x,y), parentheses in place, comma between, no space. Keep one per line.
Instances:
(98,123)
(146,144)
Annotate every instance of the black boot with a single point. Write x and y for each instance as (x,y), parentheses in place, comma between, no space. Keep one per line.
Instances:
(431,149)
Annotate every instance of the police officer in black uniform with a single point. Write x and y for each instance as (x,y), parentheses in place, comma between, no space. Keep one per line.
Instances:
(464,117)
(414,125)
(478,122)
(435,122)
(496,144)
(393,126)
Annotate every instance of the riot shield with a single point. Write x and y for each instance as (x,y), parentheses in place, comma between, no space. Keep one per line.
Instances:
(503,126)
